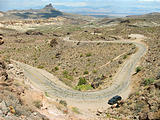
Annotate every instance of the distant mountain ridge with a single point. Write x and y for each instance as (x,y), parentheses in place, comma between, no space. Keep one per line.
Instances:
(47,12)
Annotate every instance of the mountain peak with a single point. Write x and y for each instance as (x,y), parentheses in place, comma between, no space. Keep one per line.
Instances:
(49,6)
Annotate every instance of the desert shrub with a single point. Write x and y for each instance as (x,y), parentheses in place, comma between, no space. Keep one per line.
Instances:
(63,102)
(139,106)
(53,43)
(75,110)
(37,104)
(148,81)
(86,72)
(65,72)
(138,69)
(81,55)
(125,57)
(82,81)
(56,68)
(88,54)
(94,71)
(68,77)
(40,66)
(46,94)
(83,87)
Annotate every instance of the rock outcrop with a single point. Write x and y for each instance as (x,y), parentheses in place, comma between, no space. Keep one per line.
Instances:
(11,104)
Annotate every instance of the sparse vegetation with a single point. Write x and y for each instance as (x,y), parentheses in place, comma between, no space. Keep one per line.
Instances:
(86,72)
(88,55)
(35,48)
(37,104)
(94,71)
(75,110)
(83,87)
(65,72)
(40,66)
(82,81)
(56,68)
(81,55)
(125,57)
(63,102)
(138,69)
(148,81)
(46,94)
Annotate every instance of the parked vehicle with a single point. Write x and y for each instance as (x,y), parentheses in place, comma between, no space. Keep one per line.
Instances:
(114,100)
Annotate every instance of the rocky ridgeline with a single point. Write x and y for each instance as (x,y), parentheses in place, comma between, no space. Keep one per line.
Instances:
(11,104)
(31,21)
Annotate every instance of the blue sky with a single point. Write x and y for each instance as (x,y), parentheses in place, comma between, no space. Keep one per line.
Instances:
(96,6)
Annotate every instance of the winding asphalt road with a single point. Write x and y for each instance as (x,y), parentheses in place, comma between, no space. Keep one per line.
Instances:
(54,88)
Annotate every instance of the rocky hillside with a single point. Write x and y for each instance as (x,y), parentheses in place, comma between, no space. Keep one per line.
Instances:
(12,106)
(47,12)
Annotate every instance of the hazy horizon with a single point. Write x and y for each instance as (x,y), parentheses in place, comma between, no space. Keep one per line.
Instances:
(88,7)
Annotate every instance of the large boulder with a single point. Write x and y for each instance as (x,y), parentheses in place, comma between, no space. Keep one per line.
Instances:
(33,33)
(96,82)
(158,76)
(2,64)
(53,42)
(1,41)
(157,84)
(3,75)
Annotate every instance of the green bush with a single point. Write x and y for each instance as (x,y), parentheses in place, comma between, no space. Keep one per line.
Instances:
(83,87)
(65,72)
(88,54)
(75,110)
(40,67)
(125,57)
(82,81)
(63,102)
(148,81)
(138,69)
(81,55)
(86,72)
(94,71)
(46,94)
(68,77)
(56,68)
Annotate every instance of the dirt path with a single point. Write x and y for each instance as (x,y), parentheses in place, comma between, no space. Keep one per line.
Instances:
(86,100)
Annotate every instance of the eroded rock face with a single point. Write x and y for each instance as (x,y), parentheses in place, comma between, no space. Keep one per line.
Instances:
(11,103)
